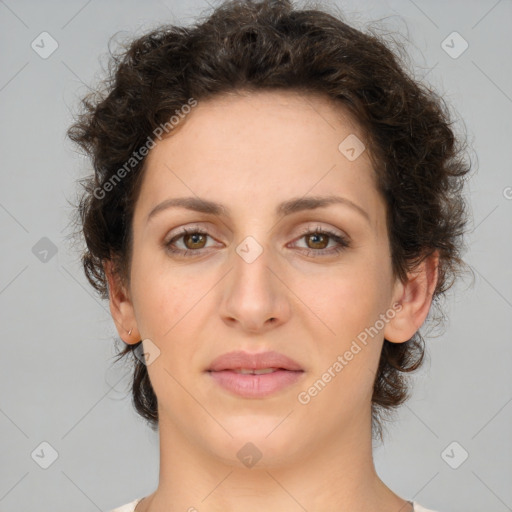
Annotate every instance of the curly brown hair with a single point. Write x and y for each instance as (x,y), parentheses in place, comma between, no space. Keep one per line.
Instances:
(420,163)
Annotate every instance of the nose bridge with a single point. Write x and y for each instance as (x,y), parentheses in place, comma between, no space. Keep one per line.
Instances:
(254,294)
(251,260)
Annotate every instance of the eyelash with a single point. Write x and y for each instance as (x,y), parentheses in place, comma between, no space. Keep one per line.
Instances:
(341,240)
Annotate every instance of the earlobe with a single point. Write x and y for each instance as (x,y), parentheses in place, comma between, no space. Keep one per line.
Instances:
(415,297)
(121,307)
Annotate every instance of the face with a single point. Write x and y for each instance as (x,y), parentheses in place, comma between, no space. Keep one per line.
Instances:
(253,277)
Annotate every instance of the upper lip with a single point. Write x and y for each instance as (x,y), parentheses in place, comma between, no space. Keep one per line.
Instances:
(238,359)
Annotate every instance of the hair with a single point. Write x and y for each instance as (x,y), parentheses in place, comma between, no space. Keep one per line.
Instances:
(420,163)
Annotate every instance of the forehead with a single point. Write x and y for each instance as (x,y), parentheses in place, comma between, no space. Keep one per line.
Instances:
(276,109)
(264,145)
(248,130)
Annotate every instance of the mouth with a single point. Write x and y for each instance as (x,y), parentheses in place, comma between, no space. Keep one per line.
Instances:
(245,361)
(256,375)
(250,371)
(250,383)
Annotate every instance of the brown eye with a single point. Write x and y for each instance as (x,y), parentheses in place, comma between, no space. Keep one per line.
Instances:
(196,240)
(191,240)
(319,240)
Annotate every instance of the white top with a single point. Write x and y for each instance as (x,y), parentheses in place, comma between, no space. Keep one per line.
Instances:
(130,507)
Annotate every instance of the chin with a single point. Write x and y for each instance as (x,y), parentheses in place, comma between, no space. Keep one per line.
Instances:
(256,443)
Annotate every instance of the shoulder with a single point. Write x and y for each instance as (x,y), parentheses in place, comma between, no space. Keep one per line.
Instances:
(129,507)
(419,508)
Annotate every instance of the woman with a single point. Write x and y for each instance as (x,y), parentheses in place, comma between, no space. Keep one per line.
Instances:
(275,208)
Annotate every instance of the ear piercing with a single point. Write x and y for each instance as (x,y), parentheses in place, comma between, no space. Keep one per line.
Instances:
(130,331)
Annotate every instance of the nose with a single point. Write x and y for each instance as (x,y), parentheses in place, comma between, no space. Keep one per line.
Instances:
(255,297)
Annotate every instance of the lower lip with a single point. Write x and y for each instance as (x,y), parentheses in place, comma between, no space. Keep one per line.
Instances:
(256,386)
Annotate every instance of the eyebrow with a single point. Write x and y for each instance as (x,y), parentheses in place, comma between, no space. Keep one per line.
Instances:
(289,207)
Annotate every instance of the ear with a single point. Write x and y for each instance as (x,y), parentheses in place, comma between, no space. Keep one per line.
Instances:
(415,297)
(121,307)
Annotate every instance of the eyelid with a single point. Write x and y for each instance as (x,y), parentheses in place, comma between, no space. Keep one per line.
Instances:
(182,230)
(311,227)
(317,227)
(340,239)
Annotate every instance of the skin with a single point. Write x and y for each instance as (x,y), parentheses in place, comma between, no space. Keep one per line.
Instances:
(250,152)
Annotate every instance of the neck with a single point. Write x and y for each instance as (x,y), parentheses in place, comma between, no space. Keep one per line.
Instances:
(338,474)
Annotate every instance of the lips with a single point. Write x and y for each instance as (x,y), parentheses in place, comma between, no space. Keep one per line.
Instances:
(259,375)
(255,375)
(239,360)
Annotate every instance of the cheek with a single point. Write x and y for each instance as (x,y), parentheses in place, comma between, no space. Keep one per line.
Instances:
(172,309)
(163,305)
(157,295)
(348,299)
(350,304)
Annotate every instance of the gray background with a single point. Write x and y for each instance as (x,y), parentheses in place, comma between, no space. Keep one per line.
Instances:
(58,383)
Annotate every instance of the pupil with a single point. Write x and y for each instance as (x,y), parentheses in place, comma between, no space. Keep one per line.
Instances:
(194,238)
(317,235)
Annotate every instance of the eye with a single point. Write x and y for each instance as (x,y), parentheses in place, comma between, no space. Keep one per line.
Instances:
(193,239)
(320,237)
